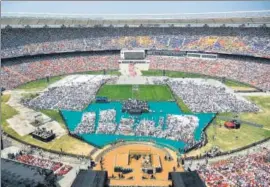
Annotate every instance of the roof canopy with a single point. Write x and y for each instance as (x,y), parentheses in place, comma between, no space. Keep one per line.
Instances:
(90,178)
(72,20)
(186,179)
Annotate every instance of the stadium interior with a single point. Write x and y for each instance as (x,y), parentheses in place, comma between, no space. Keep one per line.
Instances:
(182,101)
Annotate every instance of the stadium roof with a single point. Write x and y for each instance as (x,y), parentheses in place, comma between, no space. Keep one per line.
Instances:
(186,179)
(90,178)
(21,19)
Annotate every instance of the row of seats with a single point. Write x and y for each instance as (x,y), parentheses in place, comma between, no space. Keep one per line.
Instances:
(15,72)
(253,72)
(247,41)
(247,170)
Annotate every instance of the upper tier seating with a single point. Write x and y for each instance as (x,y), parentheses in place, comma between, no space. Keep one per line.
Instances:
(245,41)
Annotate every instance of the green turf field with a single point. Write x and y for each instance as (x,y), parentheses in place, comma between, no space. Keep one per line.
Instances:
(55,115)
(226,139)
(176,74)
(144,92)
(230,139)
(183,106)
(108,72)
(6,110)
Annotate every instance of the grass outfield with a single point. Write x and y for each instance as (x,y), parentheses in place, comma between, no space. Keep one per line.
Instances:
(183,106)
(231,139)
(262,117)
(145,92)
(226,139)
(55,115)
(176,74)
(39,84)
(108,72)
(66,142)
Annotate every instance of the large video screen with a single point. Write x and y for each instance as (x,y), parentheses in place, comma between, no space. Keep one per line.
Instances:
(134,55)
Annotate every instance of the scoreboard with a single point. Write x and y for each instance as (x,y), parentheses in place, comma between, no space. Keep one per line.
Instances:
(132,54)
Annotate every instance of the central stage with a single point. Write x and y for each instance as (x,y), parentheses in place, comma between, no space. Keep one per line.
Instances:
(134,106)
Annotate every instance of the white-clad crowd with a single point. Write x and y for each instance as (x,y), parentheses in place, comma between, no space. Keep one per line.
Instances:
(201,96)
(125,127)
(107,123)
(179,127)
(74,96)
(87,124)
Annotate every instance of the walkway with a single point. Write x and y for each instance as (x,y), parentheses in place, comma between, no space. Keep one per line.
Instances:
(254,94)
(22,122)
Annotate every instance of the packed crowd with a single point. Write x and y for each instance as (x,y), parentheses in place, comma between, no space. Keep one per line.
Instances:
(125,127)
(42,132)
(69,97)
(134,105)
(179,127)
(201,96)
(107,123)
(35,161)
(57,167)
(20,42)
(15,72)
(245,171)
(253,72)
(87,124)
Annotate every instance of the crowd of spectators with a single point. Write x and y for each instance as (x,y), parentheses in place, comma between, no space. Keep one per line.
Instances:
(201,96)
(15,72)
(253,72)
(135,106)
(57,167)
(87,124)
(69,97)
(245,171)
(179,127)
(43,133)
(40,162)
(249,41)
(107,123)
(125,127)
(26,158)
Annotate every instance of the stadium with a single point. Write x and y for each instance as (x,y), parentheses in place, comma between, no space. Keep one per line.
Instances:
(135,100)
